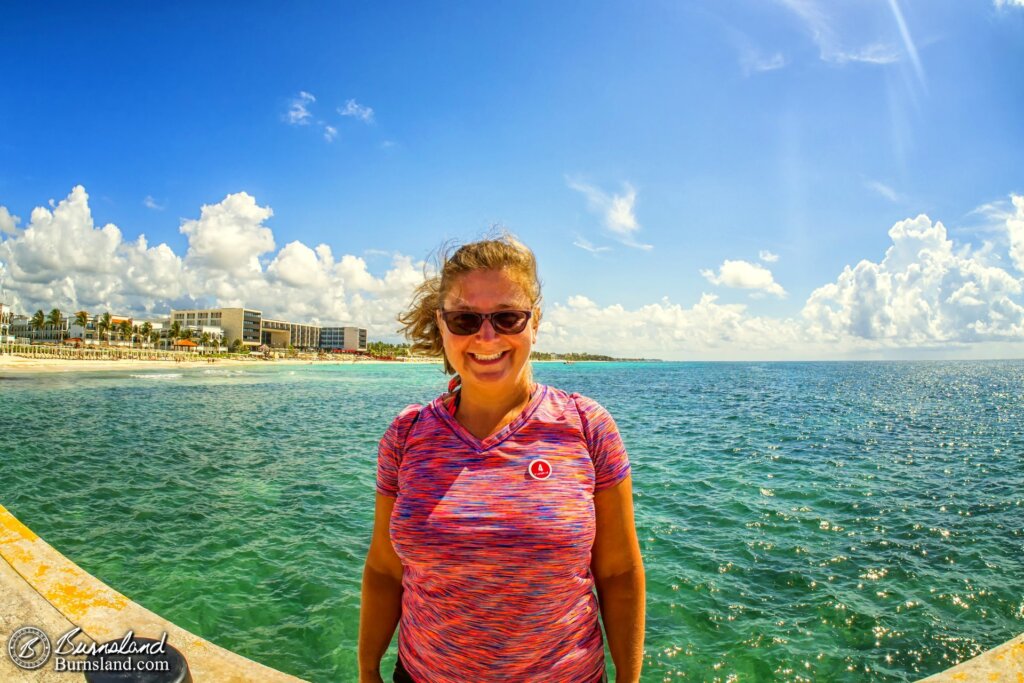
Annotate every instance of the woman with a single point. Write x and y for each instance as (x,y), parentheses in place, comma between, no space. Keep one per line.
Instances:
(501,505)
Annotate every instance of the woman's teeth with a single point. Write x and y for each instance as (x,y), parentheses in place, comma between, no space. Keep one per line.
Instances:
(493,356)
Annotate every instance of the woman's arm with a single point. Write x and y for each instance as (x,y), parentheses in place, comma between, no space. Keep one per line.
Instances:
(619,576)
(382,595)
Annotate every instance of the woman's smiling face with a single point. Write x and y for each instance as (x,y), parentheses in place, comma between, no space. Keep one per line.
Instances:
(488,360)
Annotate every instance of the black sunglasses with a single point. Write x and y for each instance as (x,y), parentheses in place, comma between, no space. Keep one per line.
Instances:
(465,323)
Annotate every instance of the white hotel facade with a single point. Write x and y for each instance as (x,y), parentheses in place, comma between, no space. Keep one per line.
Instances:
(249,326)
(223,325)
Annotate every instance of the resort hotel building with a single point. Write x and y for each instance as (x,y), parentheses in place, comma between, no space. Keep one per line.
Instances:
(215,326)
(254,330)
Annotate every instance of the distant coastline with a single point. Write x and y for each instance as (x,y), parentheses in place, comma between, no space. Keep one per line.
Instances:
(574,357)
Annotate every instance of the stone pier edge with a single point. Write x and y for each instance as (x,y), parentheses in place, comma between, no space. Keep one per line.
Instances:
(104,614)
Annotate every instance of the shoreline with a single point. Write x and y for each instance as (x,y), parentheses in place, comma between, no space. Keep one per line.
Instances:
(17,365)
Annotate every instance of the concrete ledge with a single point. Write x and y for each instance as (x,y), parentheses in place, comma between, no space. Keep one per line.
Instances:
(1002,664)
(41,587)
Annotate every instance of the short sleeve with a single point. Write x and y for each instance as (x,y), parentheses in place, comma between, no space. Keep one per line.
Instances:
(389,450)
(611,463)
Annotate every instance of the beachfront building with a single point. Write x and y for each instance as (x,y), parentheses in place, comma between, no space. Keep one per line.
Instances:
(229,323)
(6,315)
(23,329)
(343,338)
(249,326)
(93,333)
(281,334)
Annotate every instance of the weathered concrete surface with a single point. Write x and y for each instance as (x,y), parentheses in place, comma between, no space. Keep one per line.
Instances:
(40,587)
(20,605)
(1003,664)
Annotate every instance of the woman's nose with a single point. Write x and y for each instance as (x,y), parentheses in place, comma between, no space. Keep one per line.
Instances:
(486,331)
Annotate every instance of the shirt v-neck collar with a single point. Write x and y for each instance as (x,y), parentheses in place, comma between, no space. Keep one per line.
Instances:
(442,412)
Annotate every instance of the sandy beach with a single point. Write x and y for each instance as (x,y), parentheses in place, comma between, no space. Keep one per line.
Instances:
(11,364)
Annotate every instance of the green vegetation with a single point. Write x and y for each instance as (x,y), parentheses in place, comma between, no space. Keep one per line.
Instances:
(54,319)
(383,349)
(38,322)
(575,356)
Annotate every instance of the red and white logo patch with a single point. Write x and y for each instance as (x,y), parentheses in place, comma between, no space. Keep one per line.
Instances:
(540,469)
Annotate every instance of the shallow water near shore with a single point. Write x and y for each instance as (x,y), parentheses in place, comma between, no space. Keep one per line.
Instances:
(799,521)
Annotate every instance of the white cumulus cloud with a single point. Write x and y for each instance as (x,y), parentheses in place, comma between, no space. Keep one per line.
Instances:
(230,236)
(62,259)
(744,275)
(924,291)
(767,256)
(8,222)
(1015,231)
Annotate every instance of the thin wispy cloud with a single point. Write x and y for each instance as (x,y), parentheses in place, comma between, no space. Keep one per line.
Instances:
(831,47)
(151,203)
(616,210)
(997,210)
(767,256)
(751,59)
(883,190)
(298,113)
(585,244)
(356,110)
(753,62)
(908,42)
(1008,3)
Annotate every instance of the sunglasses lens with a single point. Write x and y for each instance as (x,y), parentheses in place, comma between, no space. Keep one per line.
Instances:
(509,322)
(504,322)
(463,323)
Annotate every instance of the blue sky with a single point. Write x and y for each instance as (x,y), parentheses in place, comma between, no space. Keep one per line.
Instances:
(699,180)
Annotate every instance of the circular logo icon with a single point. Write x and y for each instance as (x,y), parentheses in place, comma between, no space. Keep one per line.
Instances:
(540,469)
(29,647)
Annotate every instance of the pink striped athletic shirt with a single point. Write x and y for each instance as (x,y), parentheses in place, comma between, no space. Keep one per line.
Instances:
(497,583)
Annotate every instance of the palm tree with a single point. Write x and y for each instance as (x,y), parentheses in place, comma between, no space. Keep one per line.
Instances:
(38,322)
(125,328)
(82,319)
(187,334)
(205,340)
(146,329)
(55,319)
(104,325)
(175,332)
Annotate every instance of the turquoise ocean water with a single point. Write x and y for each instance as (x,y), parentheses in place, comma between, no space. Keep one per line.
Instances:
(799,521)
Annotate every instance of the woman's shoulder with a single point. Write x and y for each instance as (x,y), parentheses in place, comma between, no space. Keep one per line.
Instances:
(560,400)
(406,417)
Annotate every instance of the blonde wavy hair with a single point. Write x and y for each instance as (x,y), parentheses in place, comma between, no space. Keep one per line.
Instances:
(500,252)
